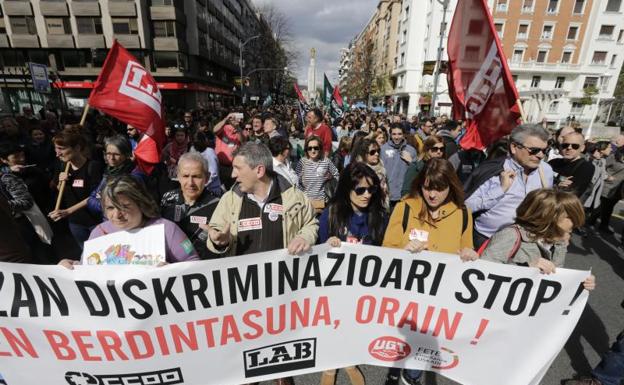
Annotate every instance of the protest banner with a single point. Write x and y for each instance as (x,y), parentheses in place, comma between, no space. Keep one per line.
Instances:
(267,315)
(144,246)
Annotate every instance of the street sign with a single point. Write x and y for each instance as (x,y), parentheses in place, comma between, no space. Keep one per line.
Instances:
(39,74)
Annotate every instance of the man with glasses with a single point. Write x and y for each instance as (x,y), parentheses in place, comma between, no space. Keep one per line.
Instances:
(498,186)
(574,173)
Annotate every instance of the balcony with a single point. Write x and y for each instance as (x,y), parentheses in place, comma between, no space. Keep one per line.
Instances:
(4,41)
(53,8)
(169,44)
(522,36)
(91,41)
(60,41)
(85,8)
(163,12)
(122,8)
(527,10)
(129,41)
(17,8)
(25,41)
(501,8)
(544,67)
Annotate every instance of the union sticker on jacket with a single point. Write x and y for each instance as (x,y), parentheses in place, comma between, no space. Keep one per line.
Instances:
(418,235)
(199,220)
(274,208)
(249,224)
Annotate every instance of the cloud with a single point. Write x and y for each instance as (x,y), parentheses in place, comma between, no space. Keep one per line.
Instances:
(325,25)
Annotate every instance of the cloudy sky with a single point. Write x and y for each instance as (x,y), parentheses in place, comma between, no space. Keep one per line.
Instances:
(325,25)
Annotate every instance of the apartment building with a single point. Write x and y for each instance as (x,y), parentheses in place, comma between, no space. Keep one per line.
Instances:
(190,46)
(559,51)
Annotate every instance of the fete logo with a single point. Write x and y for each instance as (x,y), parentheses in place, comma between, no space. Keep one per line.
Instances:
(442,358)
(160,377)
(137,85)
(389,348)
(278,358)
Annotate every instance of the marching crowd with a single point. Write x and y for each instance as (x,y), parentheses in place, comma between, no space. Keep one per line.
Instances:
(236,183)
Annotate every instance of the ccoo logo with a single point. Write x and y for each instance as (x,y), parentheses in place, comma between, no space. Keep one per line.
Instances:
(389,348)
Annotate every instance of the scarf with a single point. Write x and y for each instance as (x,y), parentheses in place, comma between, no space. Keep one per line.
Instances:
(124,168)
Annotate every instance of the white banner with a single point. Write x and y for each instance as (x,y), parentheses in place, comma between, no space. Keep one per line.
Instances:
(268,315)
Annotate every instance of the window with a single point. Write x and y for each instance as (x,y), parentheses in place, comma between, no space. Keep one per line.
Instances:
(553,6)
(517,55)
(23,25)
(590,81)
(403,58)
(559,82)
(577,108)
(523,31)
(566,57)
(527,6)
(169,60)
(74,58)
(162,2)
(501,6)
(514,78)
(125,26)
(613,61)
(406,12)
(600,57)
(499,29)
(404,37)
(554,106)
(164,28)
(572,32)
(535,82)
(614,6)
(547,32)
(621,36)
(2,26)
(578,6)
(89,25)
(606,31)
(58,25)
(472,54)
(541,56)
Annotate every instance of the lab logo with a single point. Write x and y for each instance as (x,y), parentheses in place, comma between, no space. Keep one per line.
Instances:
(139,85)
(282,357)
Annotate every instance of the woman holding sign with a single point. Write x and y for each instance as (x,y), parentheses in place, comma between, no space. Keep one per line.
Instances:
(128,206)
(541,234)
(355,214)
(432,217)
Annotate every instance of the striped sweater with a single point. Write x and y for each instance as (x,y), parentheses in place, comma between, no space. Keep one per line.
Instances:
(312,176)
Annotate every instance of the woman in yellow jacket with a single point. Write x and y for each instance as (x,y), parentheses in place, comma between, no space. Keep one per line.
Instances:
(431,217)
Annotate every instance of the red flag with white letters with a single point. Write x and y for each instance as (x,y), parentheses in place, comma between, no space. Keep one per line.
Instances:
(480,83)
(126,91)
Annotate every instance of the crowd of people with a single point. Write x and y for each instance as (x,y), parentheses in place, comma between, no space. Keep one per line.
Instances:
(248,180)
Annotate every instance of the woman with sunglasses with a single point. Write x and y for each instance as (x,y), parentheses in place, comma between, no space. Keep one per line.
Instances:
(355,214)
(432,217)
(314,170)
(368,151)
(433,148)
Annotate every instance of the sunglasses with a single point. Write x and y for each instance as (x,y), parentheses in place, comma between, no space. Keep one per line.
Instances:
(532,150)
(313,148)
(247,128)
(361,190)
(373,152)
(436,149)
(575,146)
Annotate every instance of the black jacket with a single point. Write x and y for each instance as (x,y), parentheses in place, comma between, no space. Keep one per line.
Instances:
(485,171)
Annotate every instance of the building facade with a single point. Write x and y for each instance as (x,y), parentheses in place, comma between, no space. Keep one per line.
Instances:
(190,46)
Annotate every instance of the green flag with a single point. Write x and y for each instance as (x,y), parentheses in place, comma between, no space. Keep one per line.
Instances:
(328,90)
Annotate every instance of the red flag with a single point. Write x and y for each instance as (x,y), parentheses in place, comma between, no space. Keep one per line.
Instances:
(480,83)
(299,94)
(338,97)
(126,91)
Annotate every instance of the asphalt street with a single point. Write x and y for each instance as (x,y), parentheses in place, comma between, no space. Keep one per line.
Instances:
(600,323)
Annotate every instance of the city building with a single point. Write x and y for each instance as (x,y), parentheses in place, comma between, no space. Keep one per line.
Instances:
(190,46)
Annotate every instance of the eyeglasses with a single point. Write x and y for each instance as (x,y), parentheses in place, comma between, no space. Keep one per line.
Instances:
(373,152)
(247,128)
(575,146)
(313,148)
(361,190)
(437,149)
(533,150)
(113,154)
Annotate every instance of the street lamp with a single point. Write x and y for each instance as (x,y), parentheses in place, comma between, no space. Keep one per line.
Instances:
(241,45)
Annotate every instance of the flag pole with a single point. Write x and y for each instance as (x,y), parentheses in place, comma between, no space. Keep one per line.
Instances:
(62,184)
(521,109)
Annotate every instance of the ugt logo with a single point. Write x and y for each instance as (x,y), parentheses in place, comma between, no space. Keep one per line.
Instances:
(137,85)
(284,357)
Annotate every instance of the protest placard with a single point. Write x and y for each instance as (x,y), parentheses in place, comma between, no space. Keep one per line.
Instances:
(144,246)
(268,315)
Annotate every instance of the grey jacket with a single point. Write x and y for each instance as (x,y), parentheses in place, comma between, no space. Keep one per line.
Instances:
(614,169)
(395,166)
(501,246)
